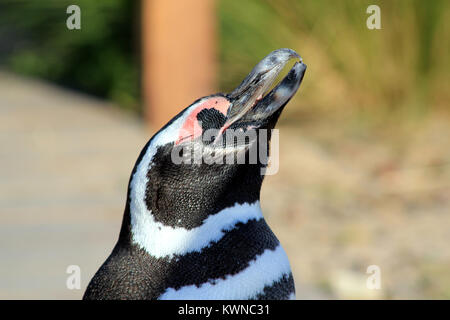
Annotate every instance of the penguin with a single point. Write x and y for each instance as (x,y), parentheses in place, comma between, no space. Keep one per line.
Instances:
(192,226)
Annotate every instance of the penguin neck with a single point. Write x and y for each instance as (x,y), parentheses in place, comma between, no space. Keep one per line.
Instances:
(188,219)
(140,229)
(172,210)
(188,198)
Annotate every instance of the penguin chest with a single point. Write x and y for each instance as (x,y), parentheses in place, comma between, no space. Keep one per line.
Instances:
(248,262)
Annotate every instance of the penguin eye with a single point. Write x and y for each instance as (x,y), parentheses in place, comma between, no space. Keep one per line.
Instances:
(209,113)
(211,119)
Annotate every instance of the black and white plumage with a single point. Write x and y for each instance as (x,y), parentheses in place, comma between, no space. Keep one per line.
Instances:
(195,230)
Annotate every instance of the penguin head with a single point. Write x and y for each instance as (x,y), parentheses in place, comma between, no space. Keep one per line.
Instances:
(200,162)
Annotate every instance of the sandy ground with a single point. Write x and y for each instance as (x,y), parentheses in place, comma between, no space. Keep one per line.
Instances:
(340,202)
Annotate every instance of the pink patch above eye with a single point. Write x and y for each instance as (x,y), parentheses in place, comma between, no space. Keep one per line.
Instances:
(191,128)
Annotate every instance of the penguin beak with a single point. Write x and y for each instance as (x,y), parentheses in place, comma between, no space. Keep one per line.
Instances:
(249,101)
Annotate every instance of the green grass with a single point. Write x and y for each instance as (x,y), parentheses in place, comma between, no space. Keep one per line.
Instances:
(400,70)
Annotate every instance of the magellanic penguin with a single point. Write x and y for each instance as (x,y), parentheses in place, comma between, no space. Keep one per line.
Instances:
(194,229)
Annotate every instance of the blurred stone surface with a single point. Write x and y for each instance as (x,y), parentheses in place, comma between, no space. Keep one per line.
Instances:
(65,163)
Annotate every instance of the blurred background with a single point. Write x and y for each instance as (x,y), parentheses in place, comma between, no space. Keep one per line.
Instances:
(364,173)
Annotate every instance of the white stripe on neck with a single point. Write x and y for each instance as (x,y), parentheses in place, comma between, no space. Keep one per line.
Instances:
(161,241)
(268,268)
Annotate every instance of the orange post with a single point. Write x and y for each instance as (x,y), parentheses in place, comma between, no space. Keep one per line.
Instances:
(179,55)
